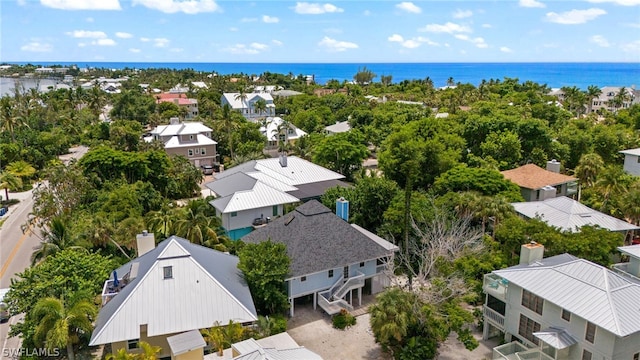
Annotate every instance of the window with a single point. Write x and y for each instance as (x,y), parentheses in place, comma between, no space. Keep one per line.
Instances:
(330,273)
(190,137)
(558,189)
(531,301)
(586,355)
(234,214)
(638,159)
(636,356)
(275,210)
(197,151)
(304,278)
(362,264)
(527,327)
(132,344)
(190,152)
(203,151)
(345,272)
(590,334)
(168,272)
(566,315)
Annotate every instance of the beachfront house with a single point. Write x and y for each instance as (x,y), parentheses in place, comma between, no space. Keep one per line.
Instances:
(332,262)
(166,293)
(189,139)
(252,193)
(632,161)
(561,307)
(246,104)
(538,184)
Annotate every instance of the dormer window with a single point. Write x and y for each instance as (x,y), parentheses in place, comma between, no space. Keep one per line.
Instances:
(168,272)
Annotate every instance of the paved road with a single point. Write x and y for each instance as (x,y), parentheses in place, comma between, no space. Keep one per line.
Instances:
(16,249)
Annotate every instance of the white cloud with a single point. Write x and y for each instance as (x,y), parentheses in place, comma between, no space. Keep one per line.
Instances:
(366,13)
(333,31)
(574,17)
(449,28)
(160,42)
(103,42)
(411,43)
(409,7)
(277,42)
(462,37)
(599,40)
(174,6)
(505,49)
(618,2)
(134,50)
(36,46)
(247,20)
(487,26)
(334,45)
(242,49)
(270,19)
(632,47)
(306,8)
(478,41)
(259,46)
(123,35)
(395,38)
(85,34)
(89,20)
(531,4)
(234,29)
(22,2)
(461,14)
(82,4)
(82,44)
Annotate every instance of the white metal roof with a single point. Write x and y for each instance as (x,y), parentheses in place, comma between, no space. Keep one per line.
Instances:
(270,131)
(587,290)
(205,287)
(183,128)
(635,152)
(261,195)
(236,103)
(185,342)
(557,337)
(298,171)
(570,215)
(631,250)
(338,127)
(174,142)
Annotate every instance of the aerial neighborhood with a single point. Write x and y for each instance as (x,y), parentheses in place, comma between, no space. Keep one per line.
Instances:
(180,214)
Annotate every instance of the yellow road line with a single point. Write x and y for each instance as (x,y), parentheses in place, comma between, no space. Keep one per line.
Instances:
(14,251)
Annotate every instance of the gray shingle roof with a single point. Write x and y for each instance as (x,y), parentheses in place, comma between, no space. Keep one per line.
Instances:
(318,240)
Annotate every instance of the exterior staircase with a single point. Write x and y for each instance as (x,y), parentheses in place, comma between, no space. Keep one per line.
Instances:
(332,300)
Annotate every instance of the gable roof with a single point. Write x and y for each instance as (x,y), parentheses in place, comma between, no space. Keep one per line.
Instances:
(270,131)
(338,127)
(606,299)
(206,286)
(183,128)
(570,215)
(634,152)
(237,103)
(201,140)
(318,240)
(259,195)
(532,176)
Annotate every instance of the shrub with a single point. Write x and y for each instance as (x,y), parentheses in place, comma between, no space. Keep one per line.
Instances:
(9,202)
(343,320)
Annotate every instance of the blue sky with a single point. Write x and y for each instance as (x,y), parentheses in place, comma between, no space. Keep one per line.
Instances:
(336,31)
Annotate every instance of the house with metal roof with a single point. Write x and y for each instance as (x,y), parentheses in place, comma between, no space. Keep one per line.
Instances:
(538,184)
(250,194)
(561,307)
(276,130)
(331,260)
(190,139)
(632,161)
(173,288)
(338,127)
(246,104)
(570,215)
(630,268)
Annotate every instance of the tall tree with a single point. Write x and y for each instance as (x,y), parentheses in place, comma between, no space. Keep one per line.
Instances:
(9,181)
(593,92)
(63,322)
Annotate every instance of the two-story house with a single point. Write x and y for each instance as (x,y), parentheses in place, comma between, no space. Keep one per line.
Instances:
(332,261)
(189,105)
(246,104)
(632,161)
(251,193)
(538,184)
(189,139)
(277,130)
(561,307)
(608,96)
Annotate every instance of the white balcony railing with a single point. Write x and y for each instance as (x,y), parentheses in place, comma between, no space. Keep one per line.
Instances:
(623,269)
(495,317)
(516,350)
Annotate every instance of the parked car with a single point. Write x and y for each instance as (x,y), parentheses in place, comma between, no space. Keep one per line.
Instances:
(207,169)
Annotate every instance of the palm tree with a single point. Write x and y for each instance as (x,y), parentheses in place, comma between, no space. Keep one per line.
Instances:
(282,131)
(96,100)
(22,169)
(162,221)
(195,226)
(10,120)
(229,125)
(61,324)
(588,168)
(631,204)
(612,180)
(621,97)
(450,81)
(392,315)
(214,336)
(242,96)
(593,92)
(260,106)
(56,238)
(9,181)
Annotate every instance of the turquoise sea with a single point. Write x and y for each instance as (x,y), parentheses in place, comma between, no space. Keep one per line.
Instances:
(554,75)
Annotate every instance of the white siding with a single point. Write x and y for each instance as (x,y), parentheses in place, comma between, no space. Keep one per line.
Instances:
(245,218)
(631,164)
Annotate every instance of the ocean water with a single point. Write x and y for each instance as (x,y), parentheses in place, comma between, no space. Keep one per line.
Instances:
(554,75)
